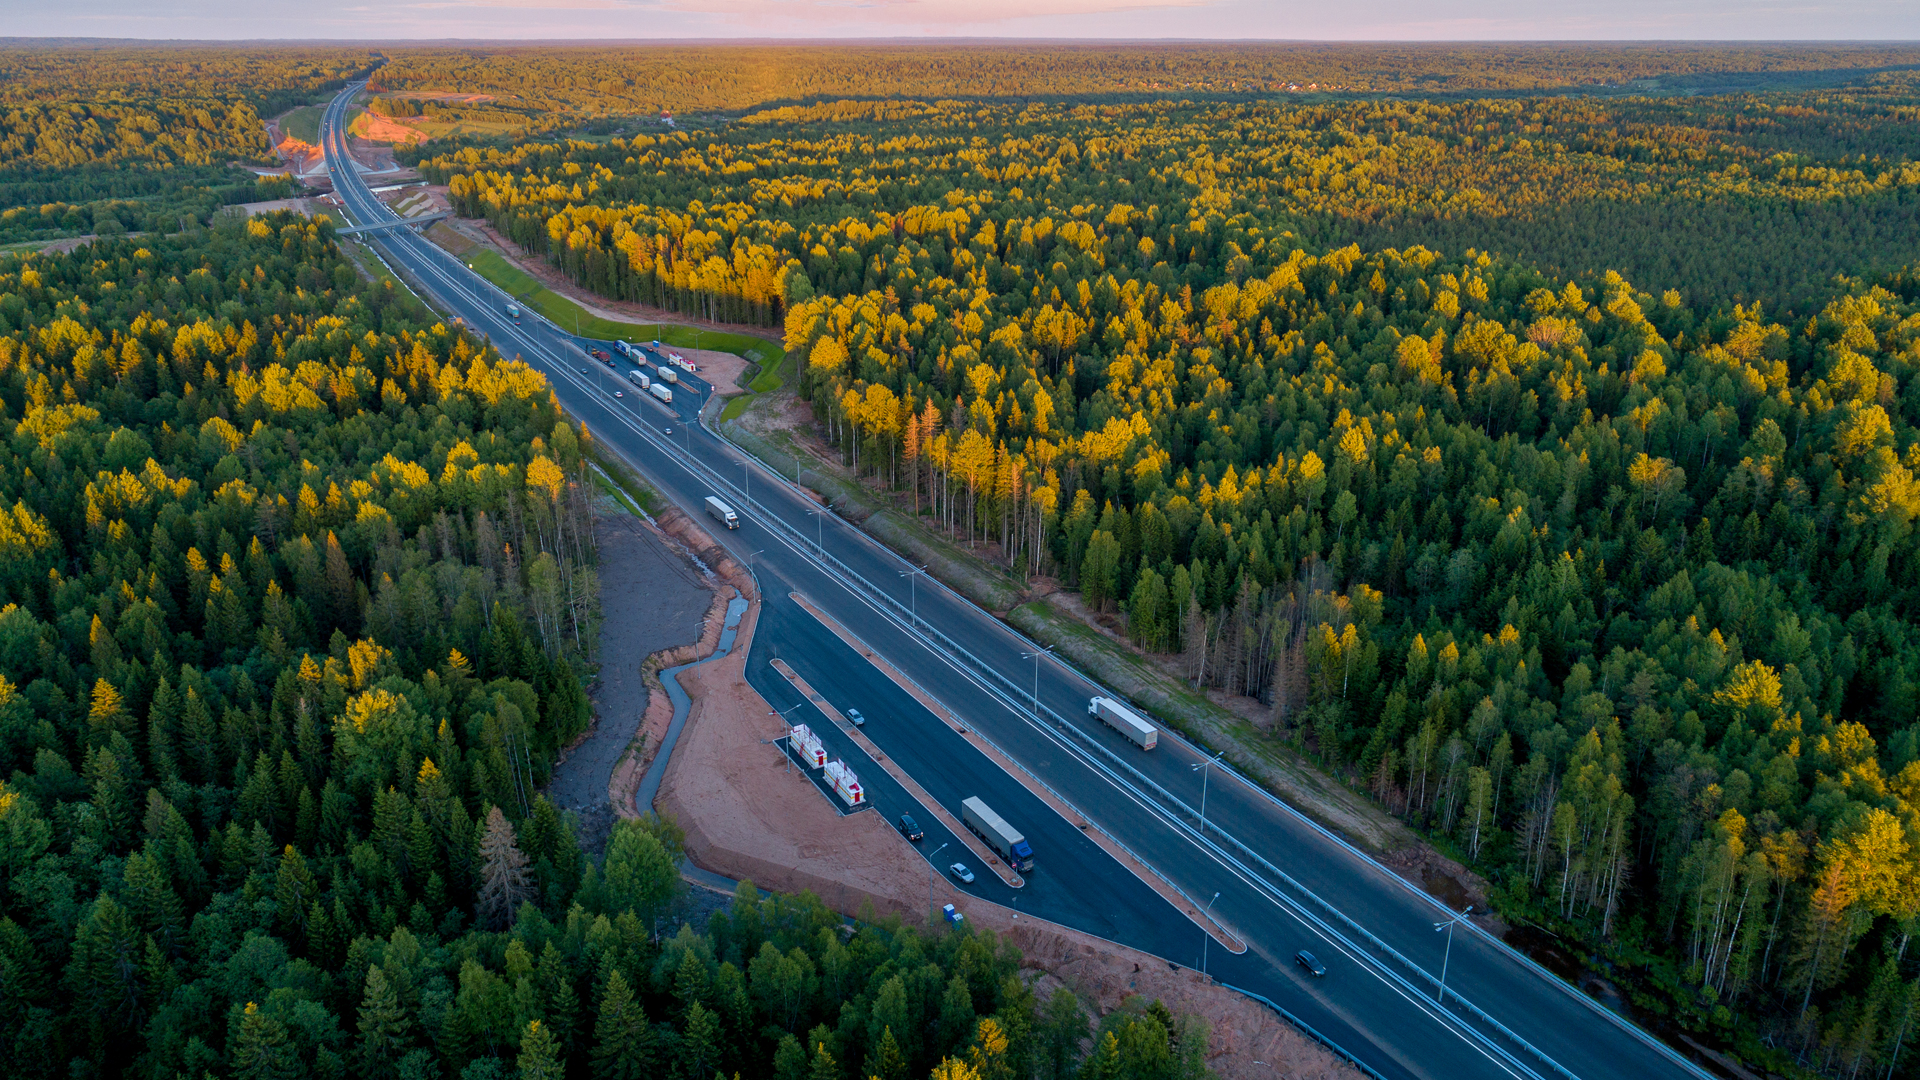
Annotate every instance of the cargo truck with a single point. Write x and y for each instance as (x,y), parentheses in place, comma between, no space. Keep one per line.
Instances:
(660,391)
(722,513)
(639,379)
(513,310)
(1125,721)
(667,374)
(982,822)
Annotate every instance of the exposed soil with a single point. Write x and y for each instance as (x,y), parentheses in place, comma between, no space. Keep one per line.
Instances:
(653,599)
(748,815)
(372,126)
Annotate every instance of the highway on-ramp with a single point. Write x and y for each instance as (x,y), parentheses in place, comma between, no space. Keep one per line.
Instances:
(1283,883)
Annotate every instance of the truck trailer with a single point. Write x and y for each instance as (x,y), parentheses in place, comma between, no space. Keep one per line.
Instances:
(667,374)
(660,391)
(722,513)
(639,379)
(1125,721)
(982,822)
(513,310)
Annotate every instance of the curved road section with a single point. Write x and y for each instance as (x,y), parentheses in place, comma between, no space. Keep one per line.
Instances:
(1280,880)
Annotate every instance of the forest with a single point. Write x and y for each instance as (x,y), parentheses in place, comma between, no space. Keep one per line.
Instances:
(683,78)
(1625,618)
(297,600)
(112,139)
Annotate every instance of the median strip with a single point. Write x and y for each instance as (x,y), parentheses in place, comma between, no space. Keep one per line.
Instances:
(1204,920)
(979,849)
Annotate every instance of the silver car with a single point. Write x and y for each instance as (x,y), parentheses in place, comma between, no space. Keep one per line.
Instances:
(960,873)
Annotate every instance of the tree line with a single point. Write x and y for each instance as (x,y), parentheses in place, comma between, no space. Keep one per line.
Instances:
(1606,588)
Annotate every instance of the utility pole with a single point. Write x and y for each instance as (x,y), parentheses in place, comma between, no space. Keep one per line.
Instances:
(1441,997)
(746,471)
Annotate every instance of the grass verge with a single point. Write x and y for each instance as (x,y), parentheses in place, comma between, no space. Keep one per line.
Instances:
(617,480)
(303,123)
(566,314)
(771,378)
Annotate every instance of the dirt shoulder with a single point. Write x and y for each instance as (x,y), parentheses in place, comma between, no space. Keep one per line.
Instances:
(747,816)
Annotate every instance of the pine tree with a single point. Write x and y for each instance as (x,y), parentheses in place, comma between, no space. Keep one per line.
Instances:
(623,1040)
(699,1043)
(539,1056)
(884,1061)
(504,883)
(261,1050)
(384,1027)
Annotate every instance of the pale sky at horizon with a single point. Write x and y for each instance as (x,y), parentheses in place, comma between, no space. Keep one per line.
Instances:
(626,20)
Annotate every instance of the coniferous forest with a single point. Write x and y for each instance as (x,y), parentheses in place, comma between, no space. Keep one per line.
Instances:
(1537,449)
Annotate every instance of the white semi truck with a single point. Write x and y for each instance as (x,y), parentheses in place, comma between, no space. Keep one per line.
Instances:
(1125,721)
(660,391)
(667,374)
(1003,838)
(639,379)
(722,513)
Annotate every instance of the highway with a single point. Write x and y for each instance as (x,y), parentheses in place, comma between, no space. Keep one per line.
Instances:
(1281,882)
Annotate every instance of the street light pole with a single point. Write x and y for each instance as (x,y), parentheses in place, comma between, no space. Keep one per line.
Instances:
(1035,707)
(913,597)
(782,714)
(930,866)
(745,477)
(1206,939)
(1205,769)
(1441,997)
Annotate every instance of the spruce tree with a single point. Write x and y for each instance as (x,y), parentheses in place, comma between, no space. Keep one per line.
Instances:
(384,1027)
(622,1038)
(539,1054)
(504,883)
(261,1050)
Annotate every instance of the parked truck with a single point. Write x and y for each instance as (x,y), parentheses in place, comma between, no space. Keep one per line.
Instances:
(660,391)
(1125,721)
(624,349)
(982,822)
(667,374)
(639,379)
(722,513)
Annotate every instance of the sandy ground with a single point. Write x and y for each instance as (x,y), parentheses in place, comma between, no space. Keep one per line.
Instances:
(748,815)
(653,599)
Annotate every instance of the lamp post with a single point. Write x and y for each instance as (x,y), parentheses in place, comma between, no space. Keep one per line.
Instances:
(1035,656)
(913,598)
(930,865)
(1206,939)
(745,476)
(819,527)
(782,714)
(1205,769)
(1441,997)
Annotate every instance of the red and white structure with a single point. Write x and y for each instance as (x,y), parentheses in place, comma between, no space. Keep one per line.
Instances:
(808,746)
(845,783)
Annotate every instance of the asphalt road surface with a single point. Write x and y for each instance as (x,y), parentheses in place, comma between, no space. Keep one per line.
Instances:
(1282,882)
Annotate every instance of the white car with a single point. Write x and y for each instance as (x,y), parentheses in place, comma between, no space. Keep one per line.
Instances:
(858,720)
(960,873)
(617,393)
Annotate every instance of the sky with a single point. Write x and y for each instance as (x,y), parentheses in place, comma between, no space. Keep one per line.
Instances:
(607,20)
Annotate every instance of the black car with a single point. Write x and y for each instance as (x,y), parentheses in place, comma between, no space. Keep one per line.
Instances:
(910,828)
(1306,960)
